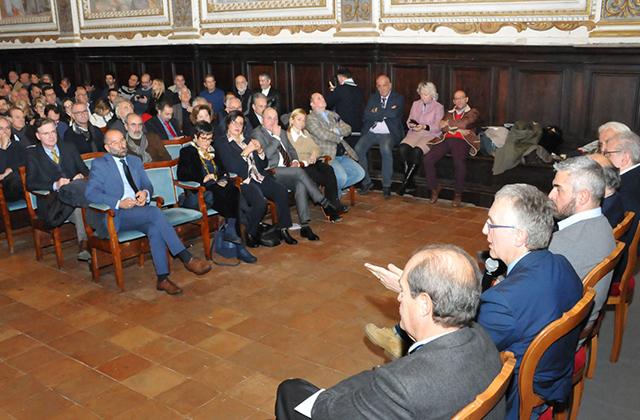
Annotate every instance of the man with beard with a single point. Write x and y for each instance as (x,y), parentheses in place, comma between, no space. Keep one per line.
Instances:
(128,92)
(242,92)
(584,234)
(4,106)
(147,147)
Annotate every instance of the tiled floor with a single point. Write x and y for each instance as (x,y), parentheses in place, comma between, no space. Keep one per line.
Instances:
(73,349)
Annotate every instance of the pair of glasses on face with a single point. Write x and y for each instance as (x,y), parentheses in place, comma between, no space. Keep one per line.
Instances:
(611,152)
(492,226)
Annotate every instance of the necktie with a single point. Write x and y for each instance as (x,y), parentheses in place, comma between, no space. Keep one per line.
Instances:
(384,103)
(127,173)
(285,156)
(170,130)
(56,159)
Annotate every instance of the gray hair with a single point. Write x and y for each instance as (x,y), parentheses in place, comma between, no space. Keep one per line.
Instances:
(451,278)
(629,142)
(428,87)
(258,95)
(118,103)
(612,177)
(183,89)
(126,119)
(199,99)
(584,174)
(618,127)
(533,213)
(230,99)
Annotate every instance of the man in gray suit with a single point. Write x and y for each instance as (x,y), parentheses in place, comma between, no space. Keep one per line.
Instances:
(283,159)
(452,360)
(584,234)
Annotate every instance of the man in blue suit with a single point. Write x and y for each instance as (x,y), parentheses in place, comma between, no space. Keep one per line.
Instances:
(539,288)
(382,126)
(119,181)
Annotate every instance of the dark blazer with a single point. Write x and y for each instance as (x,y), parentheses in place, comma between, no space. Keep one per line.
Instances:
(42,172)
(231,161)
(219,125)
(190,166)
(434,382)
(26,135)
(537,291)
(245,98)
(252,119)
(274,100)
(106,188)
(613,209)
(116,123)
(13,156)
(391,114)
(347,102)
(270,145)
(630,194)
(83,146)
(154,125)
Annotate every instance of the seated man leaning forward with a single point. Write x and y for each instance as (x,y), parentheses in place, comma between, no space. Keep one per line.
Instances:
(538,289)
(452,360)
(128,193)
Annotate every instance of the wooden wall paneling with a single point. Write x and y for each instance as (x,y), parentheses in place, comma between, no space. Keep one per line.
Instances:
(305,80)
(68,69)
(254,69)
(436,75)
(154,68)
(502,96)
(123,69)
(94,71)
(576,130)
(537,96)
(43,67)
(223,72)
(407,79)
(614,97)
(477,83)
(281,80)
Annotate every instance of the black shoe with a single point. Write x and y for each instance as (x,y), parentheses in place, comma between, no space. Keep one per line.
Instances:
(306,232)
(286,236)
(252,241)
(245,256)
(386,192)
(366,189)
(231,236)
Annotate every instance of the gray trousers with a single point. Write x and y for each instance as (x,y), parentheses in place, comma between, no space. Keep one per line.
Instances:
(303,187)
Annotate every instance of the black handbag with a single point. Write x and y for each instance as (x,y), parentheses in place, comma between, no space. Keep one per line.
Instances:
(268,235)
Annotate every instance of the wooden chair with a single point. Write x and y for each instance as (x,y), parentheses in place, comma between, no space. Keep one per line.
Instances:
(54,236)
(545,338)
(173,146)
(485,402)
(590,334)
(623,226)
(165,189)
(119,246)
(88,157)
(620,295)
(7,207)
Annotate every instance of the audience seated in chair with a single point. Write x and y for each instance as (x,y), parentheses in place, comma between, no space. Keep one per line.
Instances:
(128,193)
(146,146)
(163,124)
(452,361)
(86,137)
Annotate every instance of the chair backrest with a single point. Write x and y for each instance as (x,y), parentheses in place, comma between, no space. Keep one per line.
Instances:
(30,199)
(88,157)
(161,176)
(545,338)
(602,269)
(632,258)
(624,226)
(485,402)
(173,146)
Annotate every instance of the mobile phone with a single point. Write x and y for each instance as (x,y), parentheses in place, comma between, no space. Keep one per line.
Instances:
(412,121)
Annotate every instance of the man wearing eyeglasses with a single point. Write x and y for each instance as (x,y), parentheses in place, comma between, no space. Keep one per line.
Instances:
(86,137)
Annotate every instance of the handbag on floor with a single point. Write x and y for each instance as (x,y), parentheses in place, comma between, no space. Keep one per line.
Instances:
(223,248)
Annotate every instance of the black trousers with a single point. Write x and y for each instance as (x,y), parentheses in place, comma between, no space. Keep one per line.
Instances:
(322,174)
(12,187)
(291,393)
(254,194)
(410,154)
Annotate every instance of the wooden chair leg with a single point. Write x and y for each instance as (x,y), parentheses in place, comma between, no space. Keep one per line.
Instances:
(577,398)
(206,238)
(117,264)
(141,260)
(37,244)
(352,195)
(7,228)
(95,269)
(593,353)
(620,322)
(274,215)
(57,245)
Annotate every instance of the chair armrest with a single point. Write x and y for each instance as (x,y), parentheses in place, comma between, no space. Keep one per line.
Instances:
(236,179)
(187,185)
(40,193)
(158,199)
(271,171)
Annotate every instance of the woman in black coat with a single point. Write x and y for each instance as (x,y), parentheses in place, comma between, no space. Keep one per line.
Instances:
(246,159)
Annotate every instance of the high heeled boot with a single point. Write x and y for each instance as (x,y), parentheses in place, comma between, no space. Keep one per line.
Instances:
(408,178)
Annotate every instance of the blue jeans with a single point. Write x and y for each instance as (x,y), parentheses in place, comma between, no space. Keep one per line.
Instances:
(347,171)
(386,143)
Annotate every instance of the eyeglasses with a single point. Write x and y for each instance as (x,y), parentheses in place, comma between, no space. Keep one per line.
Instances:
(610,152)
(492,226)
(80,112)
(237,122)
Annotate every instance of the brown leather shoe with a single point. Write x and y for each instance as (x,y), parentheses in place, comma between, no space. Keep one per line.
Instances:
(168,286)
(197,266)
(457,199)
(387,340)
(434,195)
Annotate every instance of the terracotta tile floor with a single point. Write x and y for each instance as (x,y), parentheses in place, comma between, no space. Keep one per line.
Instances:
(74,349)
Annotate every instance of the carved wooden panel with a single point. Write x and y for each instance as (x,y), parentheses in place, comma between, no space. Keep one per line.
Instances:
(154,68)
(307,79)
(477,83)
(185,68)
(614,97)
(122,70)
(537,96)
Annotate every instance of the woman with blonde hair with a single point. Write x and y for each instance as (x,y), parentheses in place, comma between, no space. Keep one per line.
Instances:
(158,94)
(308,152)
(424,125)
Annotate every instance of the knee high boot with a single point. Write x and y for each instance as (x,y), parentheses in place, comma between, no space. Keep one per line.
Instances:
(408,178)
